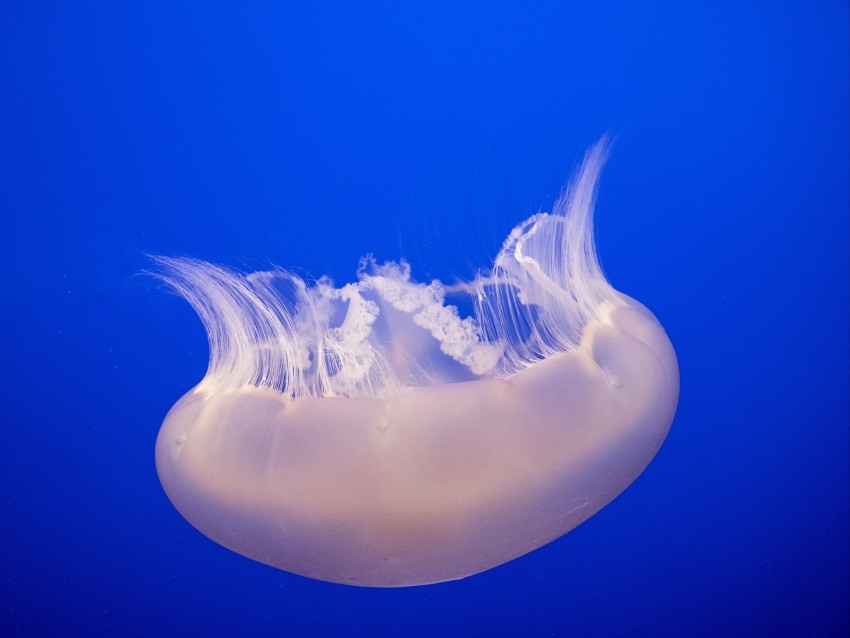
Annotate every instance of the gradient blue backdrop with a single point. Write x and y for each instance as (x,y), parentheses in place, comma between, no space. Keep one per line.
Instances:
(307,134)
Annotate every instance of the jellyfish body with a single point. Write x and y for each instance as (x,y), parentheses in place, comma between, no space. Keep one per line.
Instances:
(369,435)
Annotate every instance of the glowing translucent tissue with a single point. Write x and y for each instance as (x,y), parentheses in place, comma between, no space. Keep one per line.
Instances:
(370,435)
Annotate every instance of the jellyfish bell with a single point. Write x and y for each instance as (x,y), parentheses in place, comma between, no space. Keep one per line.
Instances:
(370,435)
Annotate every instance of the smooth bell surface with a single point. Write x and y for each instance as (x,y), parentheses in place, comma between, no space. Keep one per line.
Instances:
(434,483)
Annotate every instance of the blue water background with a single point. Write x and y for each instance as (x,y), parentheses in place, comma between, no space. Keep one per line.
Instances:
(309,134)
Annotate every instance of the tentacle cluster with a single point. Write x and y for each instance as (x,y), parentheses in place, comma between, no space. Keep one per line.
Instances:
(385,331)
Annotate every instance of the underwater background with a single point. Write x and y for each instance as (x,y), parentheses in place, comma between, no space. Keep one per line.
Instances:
(309,134)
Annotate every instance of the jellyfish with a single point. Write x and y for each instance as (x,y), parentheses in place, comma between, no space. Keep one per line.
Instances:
(370,434)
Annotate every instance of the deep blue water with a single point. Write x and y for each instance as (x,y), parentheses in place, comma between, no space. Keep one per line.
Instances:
(309,135)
